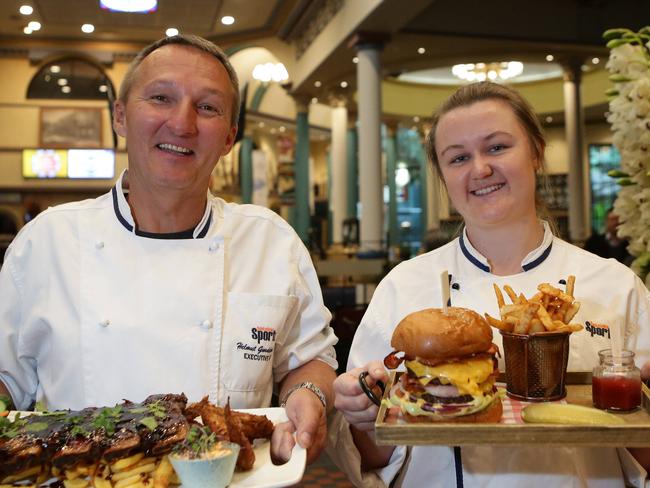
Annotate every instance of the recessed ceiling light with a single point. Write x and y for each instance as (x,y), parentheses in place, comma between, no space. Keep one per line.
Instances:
(34,26)
(27,30)
(549,57)
(549,119)
(421,50)
(55,68)
(355,59)
(317,84)
(26,9)
(133,6)
(282,128)
(227,20)
(344,84)
(87,28)
(595,60)
(62,81)
(66,89)
(172,31)
(416,119)
(103,88)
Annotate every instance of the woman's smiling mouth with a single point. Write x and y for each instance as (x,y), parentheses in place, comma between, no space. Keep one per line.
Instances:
(487,190)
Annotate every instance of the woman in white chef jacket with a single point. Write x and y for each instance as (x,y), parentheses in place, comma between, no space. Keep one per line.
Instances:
(158,286)
(487,146)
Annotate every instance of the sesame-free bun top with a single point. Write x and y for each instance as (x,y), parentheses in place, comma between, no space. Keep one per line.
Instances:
(432,334)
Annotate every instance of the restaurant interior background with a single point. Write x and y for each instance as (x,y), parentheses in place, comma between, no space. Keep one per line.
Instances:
(59,74)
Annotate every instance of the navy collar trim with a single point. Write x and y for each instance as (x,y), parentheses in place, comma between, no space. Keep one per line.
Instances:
(539,260)
(526,267)
(471,258)
(187,234)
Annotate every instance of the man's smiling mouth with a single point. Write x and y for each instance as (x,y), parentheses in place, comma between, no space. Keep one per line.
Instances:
(487,190)
(175,149)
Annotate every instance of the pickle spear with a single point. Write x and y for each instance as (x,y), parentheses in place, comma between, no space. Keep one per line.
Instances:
(556,413)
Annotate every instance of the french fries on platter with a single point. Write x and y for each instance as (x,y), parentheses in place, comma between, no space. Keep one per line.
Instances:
(549,310)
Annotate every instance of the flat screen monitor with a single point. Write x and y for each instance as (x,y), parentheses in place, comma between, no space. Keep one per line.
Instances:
(604,189)
(91,163)
(45,163)
(69,163)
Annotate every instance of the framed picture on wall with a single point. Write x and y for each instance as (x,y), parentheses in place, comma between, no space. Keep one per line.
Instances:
(70,127)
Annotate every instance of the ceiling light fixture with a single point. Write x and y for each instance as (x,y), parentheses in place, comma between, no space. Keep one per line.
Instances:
(26,9)
(355,59)
(130,6)
(55,68)
(34,26)
(171,32)
(549,57)
(66,89)
(270,72)
(227,20)
(421,50)
(344,84)
(488,71)
(87,28)
(595,60)
(27,30)
(317,84)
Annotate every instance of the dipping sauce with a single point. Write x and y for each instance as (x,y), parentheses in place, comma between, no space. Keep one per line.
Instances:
(616,393)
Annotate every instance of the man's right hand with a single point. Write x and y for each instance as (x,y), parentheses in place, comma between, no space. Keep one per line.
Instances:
(350,399)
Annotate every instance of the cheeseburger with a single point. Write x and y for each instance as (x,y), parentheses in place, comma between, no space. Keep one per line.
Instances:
(450,367)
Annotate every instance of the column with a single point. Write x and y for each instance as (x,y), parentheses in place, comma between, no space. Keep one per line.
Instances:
(369,105)
(352,167)
(301,165)
(338,153)
(574,124)
(246,168)
(391,165)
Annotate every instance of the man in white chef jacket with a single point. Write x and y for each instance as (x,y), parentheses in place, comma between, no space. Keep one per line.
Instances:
(158,286)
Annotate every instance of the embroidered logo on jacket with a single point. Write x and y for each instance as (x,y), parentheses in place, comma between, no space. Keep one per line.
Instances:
(258,351)
(601,330)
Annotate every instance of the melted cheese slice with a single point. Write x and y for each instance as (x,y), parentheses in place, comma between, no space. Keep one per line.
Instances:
(467,375)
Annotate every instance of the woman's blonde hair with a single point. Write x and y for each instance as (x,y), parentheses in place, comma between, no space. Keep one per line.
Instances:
(486,90)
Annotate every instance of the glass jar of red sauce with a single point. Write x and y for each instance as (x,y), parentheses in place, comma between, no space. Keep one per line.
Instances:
(616,382)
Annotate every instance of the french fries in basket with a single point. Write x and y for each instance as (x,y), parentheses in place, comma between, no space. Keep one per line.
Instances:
(549,310)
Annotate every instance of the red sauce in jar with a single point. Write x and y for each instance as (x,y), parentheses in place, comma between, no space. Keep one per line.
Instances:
(616,393)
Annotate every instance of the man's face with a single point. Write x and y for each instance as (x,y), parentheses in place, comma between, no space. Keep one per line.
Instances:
(176,119)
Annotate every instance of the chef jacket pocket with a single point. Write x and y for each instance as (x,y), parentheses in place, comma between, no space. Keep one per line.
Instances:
(255,325)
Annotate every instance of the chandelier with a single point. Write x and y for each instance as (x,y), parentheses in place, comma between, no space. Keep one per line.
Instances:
(496,71)
(270,72)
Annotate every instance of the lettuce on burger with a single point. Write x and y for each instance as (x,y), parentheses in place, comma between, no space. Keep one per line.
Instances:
(450,367)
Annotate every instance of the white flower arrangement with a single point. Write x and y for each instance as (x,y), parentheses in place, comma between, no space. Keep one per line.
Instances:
(629,115)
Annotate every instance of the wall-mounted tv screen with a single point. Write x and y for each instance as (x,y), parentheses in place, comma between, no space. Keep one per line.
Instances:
(69,163)
(45,163)
(91,163)
(604,189)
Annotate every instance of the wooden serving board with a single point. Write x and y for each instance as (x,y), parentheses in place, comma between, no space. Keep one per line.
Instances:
(512,430)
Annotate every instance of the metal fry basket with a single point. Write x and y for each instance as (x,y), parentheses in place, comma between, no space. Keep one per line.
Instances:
(536,365)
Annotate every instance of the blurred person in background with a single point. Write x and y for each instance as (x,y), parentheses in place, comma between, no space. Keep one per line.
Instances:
(609,245)
(160,287)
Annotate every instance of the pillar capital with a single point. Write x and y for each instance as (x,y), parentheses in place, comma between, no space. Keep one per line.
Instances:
(368,40)
(572,67)
(302,102)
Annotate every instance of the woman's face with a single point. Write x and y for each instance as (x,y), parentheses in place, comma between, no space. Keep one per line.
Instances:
(487,163)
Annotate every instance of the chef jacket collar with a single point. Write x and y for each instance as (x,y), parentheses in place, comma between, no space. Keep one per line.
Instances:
(532,260)
(124,216)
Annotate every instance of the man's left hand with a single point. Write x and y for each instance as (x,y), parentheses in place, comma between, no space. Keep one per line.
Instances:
(307,419)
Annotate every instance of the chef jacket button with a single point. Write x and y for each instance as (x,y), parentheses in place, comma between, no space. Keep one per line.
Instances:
(455,286)
(99,244)
(105,323)
(214,246)
(562,282)
(206,324)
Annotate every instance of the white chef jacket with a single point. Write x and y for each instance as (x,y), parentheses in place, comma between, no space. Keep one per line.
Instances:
(609,293)
(94,311)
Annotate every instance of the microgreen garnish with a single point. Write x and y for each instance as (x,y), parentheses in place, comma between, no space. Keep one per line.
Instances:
(199,440)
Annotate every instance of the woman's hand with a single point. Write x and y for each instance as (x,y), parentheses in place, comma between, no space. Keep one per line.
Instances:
(350,399)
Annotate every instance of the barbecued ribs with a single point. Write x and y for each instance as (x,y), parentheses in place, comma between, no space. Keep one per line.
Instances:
(69,438)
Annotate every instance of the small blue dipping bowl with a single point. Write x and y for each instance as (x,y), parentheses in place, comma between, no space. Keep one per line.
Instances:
(213,471)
